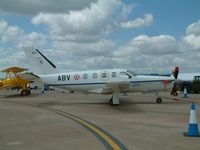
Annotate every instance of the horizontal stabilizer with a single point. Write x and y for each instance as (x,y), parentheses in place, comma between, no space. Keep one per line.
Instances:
(29,76)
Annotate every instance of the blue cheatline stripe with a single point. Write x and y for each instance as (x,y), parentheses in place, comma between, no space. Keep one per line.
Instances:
(100,83)
(101,138)
(77,84)
(146,81)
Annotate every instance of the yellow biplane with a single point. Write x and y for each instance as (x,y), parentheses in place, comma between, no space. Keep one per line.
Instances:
(16,77)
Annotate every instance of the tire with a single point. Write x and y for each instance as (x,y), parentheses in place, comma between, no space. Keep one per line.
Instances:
(159,100)
(24,93)
(110,102)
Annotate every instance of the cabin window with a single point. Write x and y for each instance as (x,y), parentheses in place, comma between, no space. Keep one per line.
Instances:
(104,75)
(114,74)
(85,76)
(94,75)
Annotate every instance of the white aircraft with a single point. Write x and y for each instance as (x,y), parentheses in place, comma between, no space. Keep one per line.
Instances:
(188,77)
(105,81)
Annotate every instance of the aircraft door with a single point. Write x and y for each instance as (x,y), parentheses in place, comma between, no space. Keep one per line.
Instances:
(104,75)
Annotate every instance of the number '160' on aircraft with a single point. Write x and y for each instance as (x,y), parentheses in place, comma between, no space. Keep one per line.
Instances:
(105,81)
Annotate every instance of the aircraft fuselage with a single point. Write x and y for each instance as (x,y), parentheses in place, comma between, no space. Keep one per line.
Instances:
(93,81)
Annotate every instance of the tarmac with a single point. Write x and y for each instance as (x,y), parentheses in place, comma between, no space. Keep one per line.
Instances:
(74,121)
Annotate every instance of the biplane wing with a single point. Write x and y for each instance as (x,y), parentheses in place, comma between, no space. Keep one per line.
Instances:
(21,72)
(14,70)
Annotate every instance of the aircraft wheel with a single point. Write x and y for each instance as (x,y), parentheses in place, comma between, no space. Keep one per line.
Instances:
(159,100)
(110,101)
(24,92)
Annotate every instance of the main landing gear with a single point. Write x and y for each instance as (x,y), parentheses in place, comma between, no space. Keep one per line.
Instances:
(25,92)
(114,101)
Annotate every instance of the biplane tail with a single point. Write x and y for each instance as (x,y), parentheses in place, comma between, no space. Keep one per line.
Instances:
(40,64)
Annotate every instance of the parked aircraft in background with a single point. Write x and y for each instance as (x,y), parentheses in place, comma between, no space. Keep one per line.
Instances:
(188,76)
(15,78)
(105,81)
(190,81)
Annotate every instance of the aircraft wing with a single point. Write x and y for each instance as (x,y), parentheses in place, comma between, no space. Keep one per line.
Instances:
(14,69)
(29,76)
(21,72)
(111,87)
(9,86)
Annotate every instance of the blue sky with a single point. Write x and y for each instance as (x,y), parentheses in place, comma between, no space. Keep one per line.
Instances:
(142,35)
(171,17)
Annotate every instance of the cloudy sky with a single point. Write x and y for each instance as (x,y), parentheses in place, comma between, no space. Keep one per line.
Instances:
(145,36)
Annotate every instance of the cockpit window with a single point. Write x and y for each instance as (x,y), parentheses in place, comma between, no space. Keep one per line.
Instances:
(125,75)
(131,72)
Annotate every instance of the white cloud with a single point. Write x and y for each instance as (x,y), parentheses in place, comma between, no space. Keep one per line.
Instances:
(33,38)
(9,33)
(193,28)
(192,37)
(148,54)
(193,42)
(148,45)
(139,22)
(126,10)
(98,48)
(93,20)
(10,57)
(16,37)
(3,25)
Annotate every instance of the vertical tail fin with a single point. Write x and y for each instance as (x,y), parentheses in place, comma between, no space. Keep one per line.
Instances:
(39,63)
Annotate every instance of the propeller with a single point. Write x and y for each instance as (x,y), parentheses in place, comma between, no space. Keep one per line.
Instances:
(175,73)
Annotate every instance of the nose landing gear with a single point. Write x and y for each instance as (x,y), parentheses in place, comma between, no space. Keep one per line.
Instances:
(159,100)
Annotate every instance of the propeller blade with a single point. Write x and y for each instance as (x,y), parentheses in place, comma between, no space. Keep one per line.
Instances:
(175,73)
